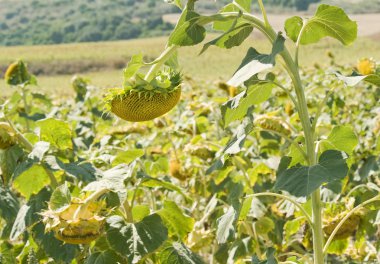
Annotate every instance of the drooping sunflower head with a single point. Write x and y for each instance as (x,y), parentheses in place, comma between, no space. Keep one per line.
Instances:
(140,100)
(7,136)
(76,223)
(366,66)
(17,74)
(273,123)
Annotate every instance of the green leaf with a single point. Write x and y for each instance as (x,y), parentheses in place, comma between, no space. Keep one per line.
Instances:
(57,132)
(31,181)
(127,156)
(29,213)
(104,257)
(254,62)
(355,78)
(153,182)
(338,246)
(232,38)
(7,256)
(223,174)
(9,159)
(270,258)
(264,225)
(9,205)
(60,198)
(226,25)
(139,212)
(178,223)
(54,248)
(178,253)
(341,138)
(301,181)
(83,171)
(237,107)
(112,179)
(236,144)
(187,31)
(292,227)
(134,65)
(178,3)
(39,150)
(225,226)
(137,240)
(328,21)
(245,4)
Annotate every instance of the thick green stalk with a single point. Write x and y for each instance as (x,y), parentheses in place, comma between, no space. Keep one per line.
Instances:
(293,71)
(159,62)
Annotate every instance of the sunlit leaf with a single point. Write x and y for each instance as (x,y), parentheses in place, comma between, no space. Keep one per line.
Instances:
(226,228)
(237,107)
(234,37)
(254,62)
(56,132)
(178,223)
(328,21)
(31,181)
(187,31)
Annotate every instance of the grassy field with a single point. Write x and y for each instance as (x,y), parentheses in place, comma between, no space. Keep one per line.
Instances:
(110,57)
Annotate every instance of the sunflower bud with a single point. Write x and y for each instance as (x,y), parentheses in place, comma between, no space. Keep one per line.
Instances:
(17,74)
(366,66)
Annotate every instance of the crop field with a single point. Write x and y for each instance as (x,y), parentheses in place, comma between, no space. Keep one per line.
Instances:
(222,148)
(102,62)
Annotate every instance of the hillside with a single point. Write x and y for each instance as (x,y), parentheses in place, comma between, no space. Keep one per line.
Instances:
(65,21)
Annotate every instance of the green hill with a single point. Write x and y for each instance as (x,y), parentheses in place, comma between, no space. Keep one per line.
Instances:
(35,22)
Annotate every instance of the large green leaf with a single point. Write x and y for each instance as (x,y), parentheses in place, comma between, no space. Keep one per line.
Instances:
(56,132)
(112,179)
(302,180)
(31,181)
(232,38)
(136,240)
(270,258)
(355,78)
(232,7)
(226,226)
(29,213)
(254,62)
(178,223)
(83,171)
(134,65)
(54,248)
(341,138)
(9,159)
(104,257)
(328,21)
(127,156)
(236,144)
(9,205)
(237,107)
(60,197)
(187,31)
(178,253)
(148,181)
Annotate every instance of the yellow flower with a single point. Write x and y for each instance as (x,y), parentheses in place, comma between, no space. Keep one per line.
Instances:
(366,66)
